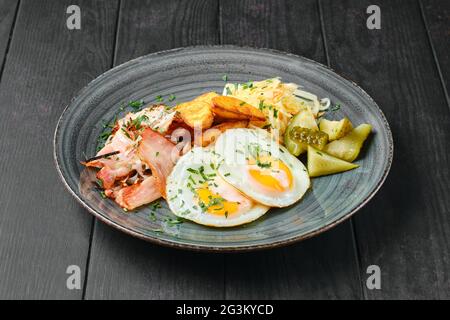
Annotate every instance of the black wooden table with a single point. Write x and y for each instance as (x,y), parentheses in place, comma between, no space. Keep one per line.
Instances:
(405,229)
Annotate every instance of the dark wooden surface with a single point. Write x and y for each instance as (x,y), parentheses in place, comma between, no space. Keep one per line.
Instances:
(405,229)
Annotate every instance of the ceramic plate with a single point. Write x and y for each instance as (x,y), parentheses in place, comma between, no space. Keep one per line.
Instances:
(186,73)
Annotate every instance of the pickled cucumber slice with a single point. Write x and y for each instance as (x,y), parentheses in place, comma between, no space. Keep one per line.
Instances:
(317,139)
(321,164)
(305,119)
(335,129)
(348,147)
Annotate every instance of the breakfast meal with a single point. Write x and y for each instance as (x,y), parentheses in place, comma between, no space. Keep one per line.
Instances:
(225,160)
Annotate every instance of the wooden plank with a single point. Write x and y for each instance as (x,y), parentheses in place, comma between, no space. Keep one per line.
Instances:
(122,267)
(437,20)
(8,9)
(42,228)
(405,229)
(323,267)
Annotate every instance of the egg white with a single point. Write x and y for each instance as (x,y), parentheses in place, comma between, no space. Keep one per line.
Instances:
(232,151)
(183,200)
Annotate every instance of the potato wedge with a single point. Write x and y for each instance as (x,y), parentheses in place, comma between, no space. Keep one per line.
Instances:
(221,115)
(231,108)
(210,135)
(196,114)
(207,97)
(258,124)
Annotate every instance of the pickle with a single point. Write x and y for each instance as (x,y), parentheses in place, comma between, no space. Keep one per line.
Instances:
(348,147)
(335,129)
(321,163)
(305,119)
(317,139)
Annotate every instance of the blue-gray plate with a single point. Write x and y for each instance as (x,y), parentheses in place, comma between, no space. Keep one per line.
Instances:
(186,73)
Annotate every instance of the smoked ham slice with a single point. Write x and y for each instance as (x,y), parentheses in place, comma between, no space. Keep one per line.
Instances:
(159,154)
(138,194)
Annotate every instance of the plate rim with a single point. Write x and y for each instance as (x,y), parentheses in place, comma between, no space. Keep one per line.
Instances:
(235,248)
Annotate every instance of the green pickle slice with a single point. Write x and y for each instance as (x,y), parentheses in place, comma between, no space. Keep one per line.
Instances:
(305,119)
(317,139)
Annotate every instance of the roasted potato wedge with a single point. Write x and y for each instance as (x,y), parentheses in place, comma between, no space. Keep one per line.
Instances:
(234,109)
(221,115)
(207,97)
(196,114)
(210,135)
(258,123)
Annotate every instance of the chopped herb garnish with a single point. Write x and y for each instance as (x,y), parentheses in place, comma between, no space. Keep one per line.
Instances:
(225,78)
(155,205)
(152,216)
(202,173)
(242,103)
(174,221)
(336,107)
(261,105)
(102,194)
(126,133)
(275,113)
(137,122)
(172,97)
(192,180)
(228,91)
(157,153)
(159,98)
(247,85)
(263,165)
(227,174)
(136,105)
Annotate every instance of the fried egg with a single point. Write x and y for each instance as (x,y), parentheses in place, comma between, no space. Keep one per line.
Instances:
(252,162)
(195,191)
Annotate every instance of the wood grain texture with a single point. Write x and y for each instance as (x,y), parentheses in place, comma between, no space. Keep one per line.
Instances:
(42,229)
(122,267)
(320,268)
(405,229)
(8,10)
(437,19)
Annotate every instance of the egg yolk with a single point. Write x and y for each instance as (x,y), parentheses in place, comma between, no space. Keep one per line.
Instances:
(270,173)
(215,204)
